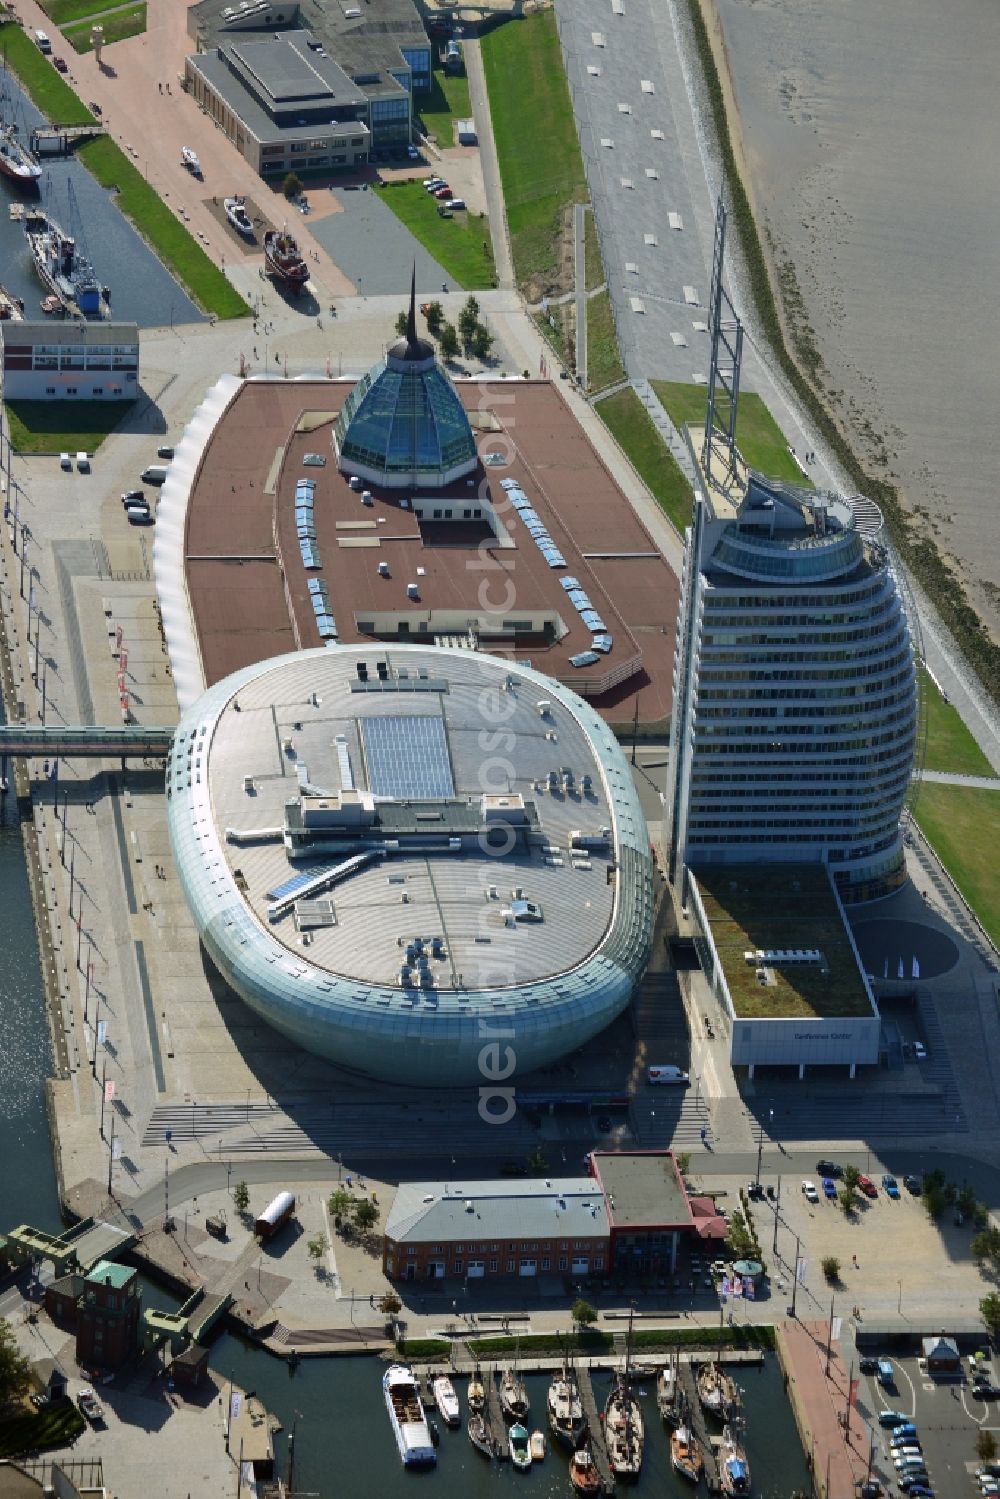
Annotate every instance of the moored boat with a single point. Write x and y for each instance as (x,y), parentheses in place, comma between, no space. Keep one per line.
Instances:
(520,1446)
(513,1396)
(237,215)
(734,1470)
(478,1435)
(284,259)
(61,267)
(717,1391)
(624,1432)
(567,1422)
(669,1393)
(685,1454)
(11,308)
(409,1424)
(190,160)
(537,1446)
(583,1474)
(446,1400)
(17,163)
(477,1393)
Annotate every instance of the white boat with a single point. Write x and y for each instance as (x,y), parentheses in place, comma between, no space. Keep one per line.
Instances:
(477,1394)
(668,1392)
(190,160)
(685,1454)
(513,1396)
(717,1391)
(520,1447)
(624,1431)
(402,1401)
(239,218)
(567,1422)
(734,1470)
(446,1400)
(537,1446)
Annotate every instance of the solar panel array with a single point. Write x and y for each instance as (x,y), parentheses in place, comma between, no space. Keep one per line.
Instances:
(580,600)
(319,593)
(535,525)
(297,882)
(407,756)
(305,525)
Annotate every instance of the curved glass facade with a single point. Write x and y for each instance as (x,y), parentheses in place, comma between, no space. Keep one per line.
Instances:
(403,423)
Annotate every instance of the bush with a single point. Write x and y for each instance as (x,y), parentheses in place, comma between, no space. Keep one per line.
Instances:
(292,185)
(583,1314)
(989,1310)
(986,1446)
(241,1198)
(831,1268)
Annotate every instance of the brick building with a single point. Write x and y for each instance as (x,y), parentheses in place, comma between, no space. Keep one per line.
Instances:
(496,1228)
(649,1210)
(107,1328)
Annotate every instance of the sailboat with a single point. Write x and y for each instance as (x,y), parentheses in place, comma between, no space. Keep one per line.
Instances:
(478,1435)
(514,1400)
(17,163)
(685,1454)
(734,1470)
(567,1422)
(583,1474)
(624,1432)
(717,1391)
(477,1393)
(669,1396)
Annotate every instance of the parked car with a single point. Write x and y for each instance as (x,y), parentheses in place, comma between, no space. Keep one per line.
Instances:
(60,64)
(457,205)
(886,1373)
(985,1389)
(755,1191)
(887,1417)
(867,1186)
(90,1406)
(413,153)
(829,1168)
(829,1187)
(83,463)
(868,1364)
(913,1185)
(441,193)
(901,1439)
(134,497)
(65,461)
(919,1051)
(431,182)
(809,1192)
(165,452)
(891,1186)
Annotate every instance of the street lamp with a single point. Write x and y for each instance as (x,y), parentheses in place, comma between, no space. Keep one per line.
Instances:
(899,1300)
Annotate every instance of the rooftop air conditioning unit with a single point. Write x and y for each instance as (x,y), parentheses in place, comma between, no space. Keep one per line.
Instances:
(383,569)
(412,591)
(544,706)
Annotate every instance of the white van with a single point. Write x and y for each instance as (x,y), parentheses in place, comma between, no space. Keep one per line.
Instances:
(42,42)
(667,1073)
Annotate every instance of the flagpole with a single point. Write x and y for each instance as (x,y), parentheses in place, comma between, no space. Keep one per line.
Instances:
(795,1274)
(239,1472)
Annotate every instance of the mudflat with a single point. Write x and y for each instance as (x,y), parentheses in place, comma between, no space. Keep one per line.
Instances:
(873,137)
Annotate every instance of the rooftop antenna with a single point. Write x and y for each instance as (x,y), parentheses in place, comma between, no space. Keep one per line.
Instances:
(724,374)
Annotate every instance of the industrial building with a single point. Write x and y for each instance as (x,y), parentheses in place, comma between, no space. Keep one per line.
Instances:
(75,359)
(426,864)
(304,85)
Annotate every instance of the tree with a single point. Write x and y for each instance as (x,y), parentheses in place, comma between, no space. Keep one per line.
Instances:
(468,318)
(402,318)
(583,1314)
(851,1178)
(482,341)
(683,1159)
(241,1197)
(966,1201)
(848,1199)
(986,1445)
(831,1268)
(449,341)
(366,1215)
(318,1247)
(739,1238)
(390,1304)
(935,1200)
(435,317)
(15,1378)
(292,185)
(339,1204)
(989,1310)
(981,1215)
(537,1164)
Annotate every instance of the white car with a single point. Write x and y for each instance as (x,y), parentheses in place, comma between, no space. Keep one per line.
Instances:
(83,463)
(65,461)
(90,1406)
(919,1051)
(809,1192)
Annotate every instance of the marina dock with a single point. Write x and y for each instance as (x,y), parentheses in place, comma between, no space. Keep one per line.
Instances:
(707,1437)
(496,1426)
(596,1431)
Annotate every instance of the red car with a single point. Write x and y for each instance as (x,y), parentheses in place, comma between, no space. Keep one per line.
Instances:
(867,1186)
(443,192)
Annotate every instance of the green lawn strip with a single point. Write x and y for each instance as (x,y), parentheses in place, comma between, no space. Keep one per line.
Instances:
(594,1341)
(48,90)
(64,12)
(168,237)
(540,163)
(604,365)
(461,245)
(553,327)
(593,274)
(121,23)
(425,1350)
(55,1428)
(950,745)
(40,426)
(760,439)
(961,823)
(447,101)
(630,423)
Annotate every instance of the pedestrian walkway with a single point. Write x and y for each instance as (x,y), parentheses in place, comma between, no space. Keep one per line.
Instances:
(834,1435)
(948,778)
(488,160)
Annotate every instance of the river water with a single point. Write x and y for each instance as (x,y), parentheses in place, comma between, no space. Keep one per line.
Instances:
(142,290)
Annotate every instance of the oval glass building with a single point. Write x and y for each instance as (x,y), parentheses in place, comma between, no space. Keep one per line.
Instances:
(417,862)
(795,699)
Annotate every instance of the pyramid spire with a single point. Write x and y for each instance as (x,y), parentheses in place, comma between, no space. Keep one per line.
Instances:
(411,321)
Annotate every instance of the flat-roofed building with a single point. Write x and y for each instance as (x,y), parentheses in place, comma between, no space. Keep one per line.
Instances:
(753,922)
(485,1229)
(648,1209)
(75,359)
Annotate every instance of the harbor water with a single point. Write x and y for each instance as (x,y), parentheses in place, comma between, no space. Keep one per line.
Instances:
(142,289)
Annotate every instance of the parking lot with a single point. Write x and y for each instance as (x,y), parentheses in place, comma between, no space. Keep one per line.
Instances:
(948,1418)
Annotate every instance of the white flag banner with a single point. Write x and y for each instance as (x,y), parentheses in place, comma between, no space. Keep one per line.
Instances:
(116,1149)
(916,967)
(800,1269)
(835,1332)
(901,971)
(235,1405)
(109,1090)
(102,1032)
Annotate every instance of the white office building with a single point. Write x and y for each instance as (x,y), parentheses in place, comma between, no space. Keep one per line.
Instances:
(72,359)
(795,701)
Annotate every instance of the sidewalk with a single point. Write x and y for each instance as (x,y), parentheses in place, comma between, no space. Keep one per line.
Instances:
(818,1389)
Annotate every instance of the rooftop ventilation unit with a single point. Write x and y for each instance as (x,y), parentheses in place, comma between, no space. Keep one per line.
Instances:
(383,569)
(544,707)
(412,591)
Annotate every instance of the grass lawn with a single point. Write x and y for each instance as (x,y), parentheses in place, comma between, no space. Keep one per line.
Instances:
(26,1433)
(53,96)
(118,25)
(593,273)
(40,426)
(63,12)
(950,746)
(630,423)
(759,437)
(961,822)
(457,243)
(540,163)
(447,101)
(604,365)
(553,326)
(171,241)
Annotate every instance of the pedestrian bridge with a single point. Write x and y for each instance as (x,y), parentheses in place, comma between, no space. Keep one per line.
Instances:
(89,741)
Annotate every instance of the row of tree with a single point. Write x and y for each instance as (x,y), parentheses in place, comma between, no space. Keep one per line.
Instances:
(471,335)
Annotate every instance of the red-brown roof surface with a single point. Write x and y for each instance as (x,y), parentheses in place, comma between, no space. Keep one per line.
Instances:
(249,587)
